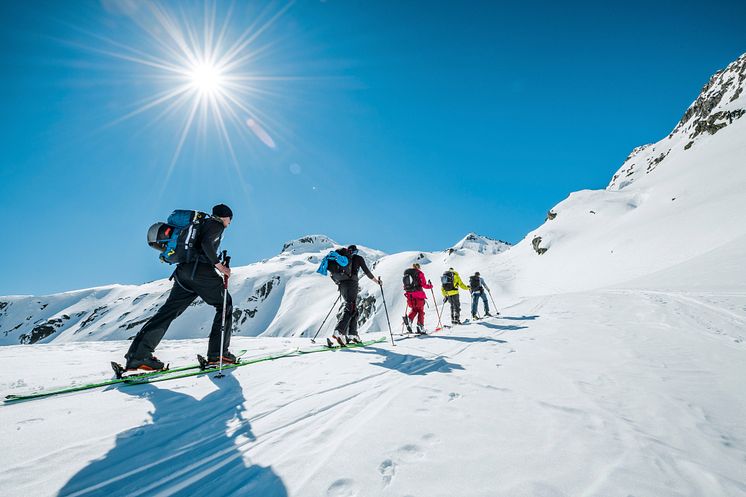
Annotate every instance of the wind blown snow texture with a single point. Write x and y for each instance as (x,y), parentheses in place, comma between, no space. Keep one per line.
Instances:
(616,367)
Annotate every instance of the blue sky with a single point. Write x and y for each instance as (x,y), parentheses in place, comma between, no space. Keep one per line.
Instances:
(397,125)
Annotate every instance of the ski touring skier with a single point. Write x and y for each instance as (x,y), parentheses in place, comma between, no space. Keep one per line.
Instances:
(343,266)
(478,290)
(415,285)
(197,278)
(450,284)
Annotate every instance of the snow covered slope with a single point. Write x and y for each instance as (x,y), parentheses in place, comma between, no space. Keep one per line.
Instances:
(281,296)
(605,393)
(670,202)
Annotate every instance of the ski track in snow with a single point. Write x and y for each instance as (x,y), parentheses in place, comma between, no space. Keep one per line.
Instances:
(650,405)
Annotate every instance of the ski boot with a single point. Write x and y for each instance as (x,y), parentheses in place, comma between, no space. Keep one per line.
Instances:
(421,329)
(337,338)
(228,358)
(407,324)
(150,363)
(354,339)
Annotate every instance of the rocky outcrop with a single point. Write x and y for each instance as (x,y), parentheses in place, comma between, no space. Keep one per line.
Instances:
(719,104)
(260,295)
(308,243)
(44,330)
(536,243)
(481,244)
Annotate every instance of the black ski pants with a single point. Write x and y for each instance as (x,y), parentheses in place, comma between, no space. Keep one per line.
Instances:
(347,324)
(455,301)
(205,284)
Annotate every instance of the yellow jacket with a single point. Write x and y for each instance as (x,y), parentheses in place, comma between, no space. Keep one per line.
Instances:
(457,282)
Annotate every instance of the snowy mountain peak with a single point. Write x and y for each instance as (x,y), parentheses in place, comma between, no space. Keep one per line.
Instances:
(721,102)
(480,244)
(309,243)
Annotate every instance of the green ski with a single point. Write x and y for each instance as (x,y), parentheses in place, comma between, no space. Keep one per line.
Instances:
(181,372)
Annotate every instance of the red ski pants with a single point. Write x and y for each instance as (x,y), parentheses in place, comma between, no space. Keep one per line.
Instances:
(418,309)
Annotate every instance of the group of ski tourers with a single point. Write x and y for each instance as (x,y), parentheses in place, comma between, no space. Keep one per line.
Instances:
(191,239)
(414,291)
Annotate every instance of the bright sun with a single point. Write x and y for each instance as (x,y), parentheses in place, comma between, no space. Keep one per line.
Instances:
(206,78)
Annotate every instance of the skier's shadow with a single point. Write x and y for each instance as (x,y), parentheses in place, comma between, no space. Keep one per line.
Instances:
(509,327)
(191,447)
(520,318)
(410,364)
(457,338)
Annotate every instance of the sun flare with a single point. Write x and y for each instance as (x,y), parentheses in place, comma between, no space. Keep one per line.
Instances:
(207,78)
(207,71)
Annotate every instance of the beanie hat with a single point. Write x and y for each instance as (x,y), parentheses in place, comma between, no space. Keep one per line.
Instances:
(222,210)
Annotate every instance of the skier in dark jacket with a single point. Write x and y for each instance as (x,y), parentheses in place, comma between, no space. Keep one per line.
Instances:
(191,280)
(478,290)
(349,287)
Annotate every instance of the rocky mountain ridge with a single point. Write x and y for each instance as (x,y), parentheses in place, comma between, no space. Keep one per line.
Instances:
(720,103)
(280,296)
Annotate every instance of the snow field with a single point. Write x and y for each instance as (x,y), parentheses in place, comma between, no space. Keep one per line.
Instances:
(619,392)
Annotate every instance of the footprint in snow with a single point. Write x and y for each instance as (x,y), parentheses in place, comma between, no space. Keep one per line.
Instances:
(453,396)
(343,487)
(430,438)
(410,452)
(387,469)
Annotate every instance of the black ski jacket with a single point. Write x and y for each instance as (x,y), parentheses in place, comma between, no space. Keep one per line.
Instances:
(359,263)
(211,232)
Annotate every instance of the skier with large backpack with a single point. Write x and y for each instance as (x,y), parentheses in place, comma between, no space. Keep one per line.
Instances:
(478,290)
(415,285)
(343,265)
(189,239)
(450,282)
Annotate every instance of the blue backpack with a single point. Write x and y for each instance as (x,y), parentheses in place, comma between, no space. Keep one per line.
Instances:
(176,238)
(336,264)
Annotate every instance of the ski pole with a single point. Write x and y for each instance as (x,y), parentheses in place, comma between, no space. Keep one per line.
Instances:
(435,302)
(385,308)
(313,340)
(493,301)
(226,263)
(443,307)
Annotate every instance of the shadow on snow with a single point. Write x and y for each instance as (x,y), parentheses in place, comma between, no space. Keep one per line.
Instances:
(519,318)
(457,338)
(410,364)
(509,327)
(192,447)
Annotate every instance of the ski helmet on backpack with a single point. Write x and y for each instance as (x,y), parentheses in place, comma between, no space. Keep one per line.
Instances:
(176,238)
